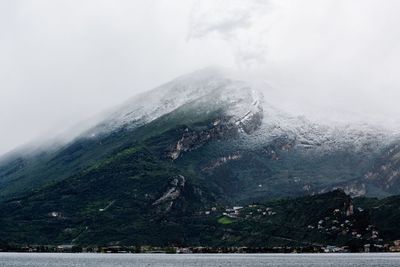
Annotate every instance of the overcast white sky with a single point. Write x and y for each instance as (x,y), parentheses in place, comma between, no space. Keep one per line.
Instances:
(64,61)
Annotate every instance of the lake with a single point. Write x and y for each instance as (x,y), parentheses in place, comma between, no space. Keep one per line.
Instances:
(191,260)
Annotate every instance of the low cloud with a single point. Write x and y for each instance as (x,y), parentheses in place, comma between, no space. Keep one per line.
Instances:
(64,61)
(333,57)
(237,23)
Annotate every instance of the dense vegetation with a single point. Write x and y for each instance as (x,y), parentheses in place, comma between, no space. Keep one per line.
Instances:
(99,207)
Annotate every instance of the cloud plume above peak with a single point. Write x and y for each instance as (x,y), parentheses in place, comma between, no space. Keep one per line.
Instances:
(235,22)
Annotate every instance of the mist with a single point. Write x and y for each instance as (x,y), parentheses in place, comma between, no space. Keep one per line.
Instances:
(63,62)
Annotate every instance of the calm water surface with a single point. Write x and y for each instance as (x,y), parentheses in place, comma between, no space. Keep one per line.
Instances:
(191,260)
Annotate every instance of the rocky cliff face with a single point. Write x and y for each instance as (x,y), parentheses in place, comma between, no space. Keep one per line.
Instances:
(174,191)
(191,140)
(385,172)
(222,128)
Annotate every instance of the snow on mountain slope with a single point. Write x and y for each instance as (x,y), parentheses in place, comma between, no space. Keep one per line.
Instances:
(207,85)
(242,101)
(308,134)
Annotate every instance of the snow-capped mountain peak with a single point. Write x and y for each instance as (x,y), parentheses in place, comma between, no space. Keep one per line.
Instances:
(207,85)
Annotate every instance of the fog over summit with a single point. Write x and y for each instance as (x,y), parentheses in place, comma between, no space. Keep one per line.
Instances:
(326,60)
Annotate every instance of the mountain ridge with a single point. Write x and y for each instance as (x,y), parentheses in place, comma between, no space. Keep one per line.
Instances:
(214,121)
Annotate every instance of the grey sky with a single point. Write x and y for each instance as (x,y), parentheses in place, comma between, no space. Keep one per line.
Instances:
(64,61)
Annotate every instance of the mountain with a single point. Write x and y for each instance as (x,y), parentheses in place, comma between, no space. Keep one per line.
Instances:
(200,141)
(195,100)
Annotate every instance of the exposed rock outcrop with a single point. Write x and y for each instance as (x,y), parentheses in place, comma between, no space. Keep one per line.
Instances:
(166,201)
(191,139)
(220,161)
(220,128)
